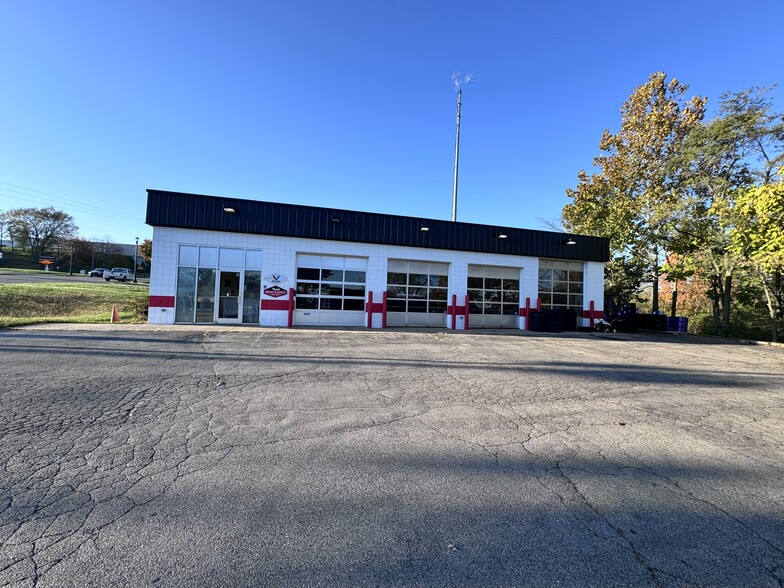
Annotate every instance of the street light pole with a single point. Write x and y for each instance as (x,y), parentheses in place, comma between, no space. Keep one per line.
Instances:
(457,155)
(70,263)
(459,86)
(135,260)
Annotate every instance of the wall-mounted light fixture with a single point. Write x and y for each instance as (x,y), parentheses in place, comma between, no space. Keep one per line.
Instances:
(424,228)
(229,209)
(334,220)
(570,241)
(502,235)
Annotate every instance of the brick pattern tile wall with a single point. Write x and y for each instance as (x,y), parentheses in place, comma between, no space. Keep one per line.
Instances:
(279,256)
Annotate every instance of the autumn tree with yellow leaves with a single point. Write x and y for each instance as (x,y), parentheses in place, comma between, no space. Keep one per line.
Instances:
(631,198)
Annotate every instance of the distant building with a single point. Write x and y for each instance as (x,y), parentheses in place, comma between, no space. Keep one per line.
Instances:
(225,260)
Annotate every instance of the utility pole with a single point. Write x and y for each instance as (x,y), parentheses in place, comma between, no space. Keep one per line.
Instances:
(458,84)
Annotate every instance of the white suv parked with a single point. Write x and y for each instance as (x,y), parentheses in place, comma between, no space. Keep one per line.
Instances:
(120,274)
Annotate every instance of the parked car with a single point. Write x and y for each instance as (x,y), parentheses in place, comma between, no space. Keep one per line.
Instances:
(97,272)
(120,274)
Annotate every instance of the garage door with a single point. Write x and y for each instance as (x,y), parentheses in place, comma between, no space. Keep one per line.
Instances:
(330,290)
(416,293)
(494,296)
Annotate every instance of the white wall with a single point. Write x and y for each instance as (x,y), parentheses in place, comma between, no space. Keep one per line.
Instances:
(279,255)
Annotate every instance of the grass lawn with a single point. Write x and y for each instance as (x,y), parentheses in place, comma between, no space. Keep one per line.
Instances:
(25,304)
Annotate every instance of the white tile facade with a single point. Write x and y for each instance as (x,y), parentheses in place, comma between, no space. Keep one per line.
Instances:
(279,255)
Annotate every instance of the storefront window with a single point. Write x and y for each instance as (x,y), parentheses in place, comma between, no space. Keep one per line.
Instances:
(251,297)
(186,295)
(205,296)
(196,282)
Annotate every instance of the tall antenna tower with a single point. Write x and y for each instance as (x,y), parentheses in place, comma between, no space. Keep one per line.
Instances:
(459,83)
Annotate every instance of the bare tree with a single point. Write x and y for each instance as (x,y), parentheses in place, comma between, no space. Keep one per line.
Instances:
(105,250)
(39,229)
(3,223)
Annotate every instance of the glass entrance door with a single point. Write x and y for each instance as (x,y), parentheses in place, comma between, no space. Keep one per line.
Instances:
(229,297)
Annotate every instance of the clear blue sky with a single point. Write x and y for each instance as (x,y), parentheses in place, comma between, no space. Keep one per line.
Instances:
(345,104)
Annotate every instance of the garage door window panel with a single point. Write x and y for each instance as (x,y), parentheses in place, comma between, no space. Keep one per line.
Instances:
(426,293)
(332,289)
(308,288)
(307,302)
(331,304)
(330,283)
(354,290)
(329,275)
(307,273)
(436,307)
(565,288)
(493,294)
(394,305)
(438,293)
(355,277)
(439,281)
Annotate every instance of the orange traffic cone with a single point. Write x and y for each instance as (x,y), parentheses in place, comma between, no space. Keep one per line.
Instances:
(115,315)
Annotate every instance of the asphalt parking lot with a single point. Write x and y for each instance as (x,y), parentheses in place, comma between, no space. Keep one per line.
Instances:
(341,458)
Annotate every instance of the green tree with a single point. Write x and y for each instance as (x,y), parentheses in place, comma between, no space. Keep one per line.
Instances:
(762,131)
(759,237)
(40,229)
(145,250)
(632,197)
(741,145)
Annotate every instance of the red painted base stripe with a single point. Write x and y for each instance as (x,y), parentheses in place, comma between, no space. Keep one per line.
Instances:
(274,304)
(374,307)
(596,314)
(161,301)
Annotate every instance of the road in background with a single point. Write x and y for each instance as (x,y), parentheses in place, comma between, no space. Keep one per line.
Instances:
(11,277)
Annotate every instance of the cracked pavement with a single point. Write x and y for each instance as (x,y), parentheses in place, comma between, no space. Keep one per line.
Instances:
(181,457)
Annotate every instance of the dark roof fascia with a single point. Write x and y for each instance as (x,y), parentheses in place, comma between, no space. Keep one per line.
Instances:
(205,212)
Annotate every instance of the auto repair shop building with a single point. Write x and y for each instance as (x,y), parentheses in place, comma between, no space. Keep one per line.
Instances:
(230,261)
